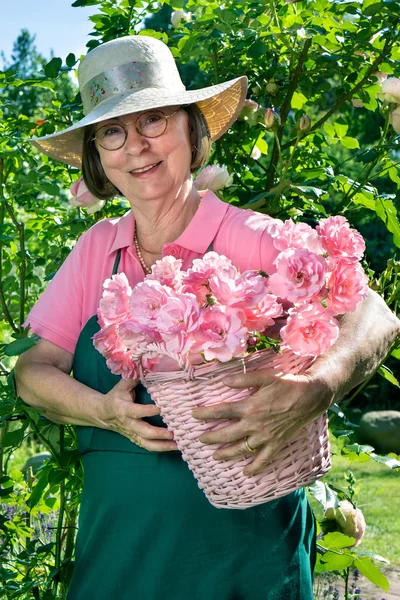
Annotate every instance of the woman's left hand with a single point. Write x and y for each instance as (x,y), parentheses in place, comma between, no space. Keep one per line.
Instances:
(268,418)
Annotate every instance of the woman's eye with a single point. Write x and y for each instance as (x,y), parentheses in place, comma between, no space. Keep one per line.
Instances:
(112,131)
(153,118)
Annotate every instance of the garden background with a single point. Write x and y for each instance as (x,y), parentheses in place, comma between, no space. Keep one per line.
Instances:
(326,146)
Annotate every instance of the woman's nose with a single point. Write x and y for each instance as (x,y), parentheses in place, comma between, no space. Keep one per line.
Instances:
(134,143)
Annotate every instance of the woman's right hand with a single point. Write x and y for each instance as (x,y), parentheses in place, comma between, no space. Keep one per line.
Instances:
(123,415)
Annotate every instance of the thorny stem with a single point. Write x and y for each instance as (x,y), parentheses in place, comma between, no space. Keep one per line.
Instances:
(346,584)
(59,532)
(3,302)
(22,273)
(276,151)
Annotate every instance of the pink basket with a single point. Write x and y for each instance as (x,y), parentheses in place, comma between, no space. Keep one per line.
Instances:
(303,460)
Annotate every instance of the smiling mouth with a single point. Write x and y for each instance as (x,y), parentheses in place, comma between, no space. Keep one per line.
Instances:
(145,169)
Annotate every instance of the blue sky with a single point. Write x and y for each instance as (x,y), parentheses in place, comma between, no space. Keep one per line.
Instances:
(57,25)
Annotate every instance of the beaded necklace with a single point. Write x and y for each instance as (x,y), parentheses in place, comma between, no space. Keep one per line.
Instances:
(143,263)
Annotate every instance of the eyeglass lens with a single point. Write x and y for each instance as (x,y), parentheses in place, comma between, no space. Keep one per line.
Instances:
(149,124)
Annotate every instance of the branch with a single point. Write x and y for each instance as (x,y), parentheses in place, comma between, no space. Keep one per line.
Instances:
(346,97)
(3,302)
(285,111)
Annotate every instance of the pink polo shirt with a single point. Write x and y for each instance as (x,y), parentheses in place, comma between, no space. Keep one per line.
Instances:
(72,296)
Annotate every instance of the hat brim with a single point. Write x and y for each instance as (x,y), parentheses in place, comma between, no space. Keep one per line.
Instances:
(220,104)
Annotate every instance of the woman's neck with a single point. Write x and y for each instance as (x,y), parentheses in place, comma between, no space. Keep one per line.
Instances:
(159,222)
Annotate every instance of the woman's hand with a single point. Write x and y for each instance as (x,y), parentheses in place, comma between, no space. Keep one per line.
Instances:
(269,418)
(123,415)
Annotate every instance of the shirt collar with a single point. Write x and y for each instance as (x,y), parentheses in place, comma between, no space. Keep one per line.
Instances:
(197,236)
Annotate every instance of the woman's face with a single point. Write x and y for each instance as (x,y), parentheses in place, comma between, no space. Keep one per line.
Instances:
(166,158)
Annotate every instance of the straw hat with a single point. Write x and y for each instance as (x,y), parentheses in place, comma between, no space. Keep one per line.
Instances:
(132,74)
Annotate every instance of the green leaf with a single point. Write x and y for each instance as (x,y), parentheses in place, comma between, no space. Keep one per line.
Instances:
(324,495)
(340,128)
(371,572)
(257,50)
(78,3)
(332,561)
(14,438)
(70,60)
(330,129)
(349,142)
(261,144)
(19,346)
(386,210)
(298,100)
(365,199)
(386,373)
(336,540)
(367,156)
(38,489)
(396,353)
(52,68)
(359,448)
(389,461)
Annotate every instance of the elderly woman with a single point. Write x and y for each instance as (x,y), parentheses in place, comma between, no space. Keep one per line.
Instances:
(146,530)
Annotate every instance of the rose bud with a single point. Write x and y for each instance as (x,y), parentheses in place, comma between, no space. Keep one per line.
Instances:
(304,124)
(271,118)
(82,197)
(213,178)
(271,87)
(350,520)
(252,341)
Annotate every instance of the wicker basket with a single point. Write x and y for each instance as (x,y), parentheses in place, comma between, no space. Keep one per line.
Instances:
(303,460)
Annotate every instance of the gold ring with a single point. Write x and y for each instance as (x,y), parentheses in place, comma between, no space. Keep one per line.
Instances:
(249,448)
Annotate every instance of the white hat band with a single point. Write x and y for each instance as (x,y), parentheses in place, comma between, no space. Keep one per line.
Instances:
(132,76)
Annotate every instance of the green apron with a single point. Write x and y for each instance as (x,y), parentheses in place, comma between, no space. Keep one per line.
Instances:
(147,532)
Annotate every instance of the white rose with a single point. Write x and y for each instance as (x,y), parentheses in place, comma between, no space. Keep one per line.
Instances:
(256,153)
(350,520)
(390,90)
(394,119)
(213,178)
(179,15)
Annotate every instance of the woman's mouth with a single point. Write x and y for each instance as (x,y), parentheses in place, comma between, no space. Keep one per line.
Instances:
(145,170)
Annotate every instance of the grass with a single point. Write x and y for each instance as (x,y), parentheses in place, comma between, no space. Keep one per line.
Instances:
(378,496)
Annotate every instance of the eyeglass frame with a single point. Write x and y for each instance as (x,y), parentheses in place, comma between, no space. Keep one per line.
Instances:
(123,125)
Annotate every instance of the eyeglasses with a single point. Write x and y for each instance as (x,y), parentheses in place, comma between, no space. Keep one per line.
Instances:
(151,124)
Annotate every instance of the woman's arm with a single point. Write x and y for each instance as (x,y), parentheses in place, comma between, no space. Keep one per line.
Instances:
(43,381)
(282,405)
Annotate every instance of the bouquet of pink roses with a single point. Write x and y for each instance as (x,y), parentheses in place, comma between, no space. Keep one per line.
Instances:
(211,312)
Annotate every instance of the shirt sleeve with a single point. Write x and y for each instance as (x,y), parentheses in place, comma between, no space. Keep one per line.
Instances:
(57,315)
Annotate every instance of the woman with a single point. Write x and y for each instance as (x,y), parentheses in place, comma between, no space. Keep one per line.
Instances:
(146,530)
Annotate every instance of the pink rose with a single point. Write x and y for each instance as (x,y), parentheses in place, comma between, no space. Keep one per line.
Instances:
(146,301)
(196,279)
(263,315)
(297,235)
(300,274)
(310,330)
(107,341)
(350,520)
(177,319)
(346,287)
(135,337)
(221,334)
(82,197)
(121,363)
(245,291)
(339,240)
(114,305)
(167,271)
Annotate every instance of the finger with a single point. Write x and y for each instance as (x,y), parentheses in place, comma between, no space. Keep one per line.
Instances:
(126,384)
(155,445)
(262,459)
(150,432)
(225,435)
(139,411)
(236,450)
(251,379)
(223,410)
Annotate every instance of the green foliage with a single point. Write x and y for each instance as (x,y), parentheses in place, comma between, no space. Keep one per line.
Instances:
(311,58)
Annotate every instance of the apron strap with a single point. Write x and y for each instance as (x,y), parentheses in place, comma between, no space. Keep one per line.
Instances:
(116,262)
(209,249)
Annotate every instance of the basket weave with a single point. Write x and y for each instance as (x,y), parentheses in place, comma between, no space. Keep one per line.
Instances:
(303,460)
